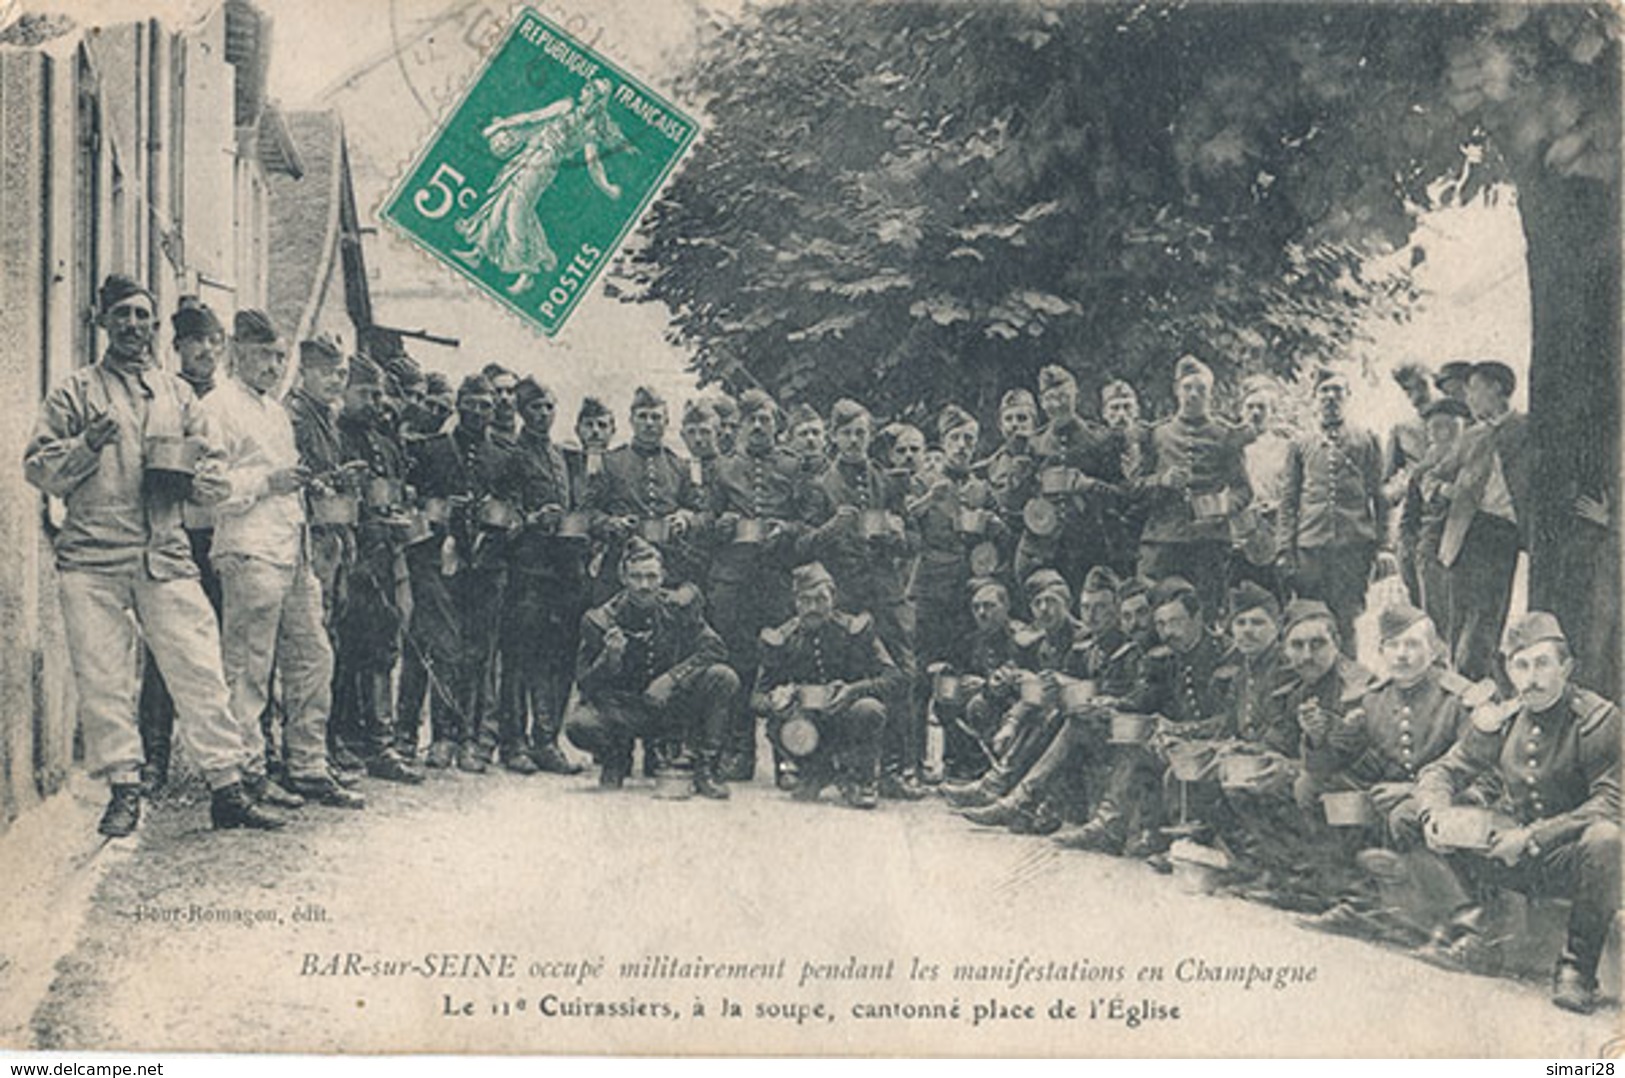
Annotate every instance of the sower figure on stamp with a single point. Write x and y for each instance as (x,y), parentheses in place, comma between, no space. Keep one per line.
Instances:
(126,570)
(821,686)
(650,667)
(859,530)
(200,340)
(1554,750)
(370,621)
(546,581)
(756,502)
(272,601)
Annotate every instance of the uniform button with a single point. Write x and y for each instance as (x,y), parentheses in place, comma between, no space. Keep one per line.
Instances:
(1529,780)
(1535,732)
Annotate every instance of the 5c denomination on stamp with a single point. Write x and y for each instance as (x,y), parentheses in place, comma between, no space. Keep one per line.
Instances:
(540,171)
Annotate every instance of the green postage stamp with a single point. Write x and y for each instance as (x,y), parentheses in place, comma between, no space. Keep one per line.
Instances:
(539,172)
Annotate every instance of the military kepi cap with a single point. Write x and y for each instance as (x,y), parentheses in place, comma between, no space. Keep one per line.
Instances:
(1299,611)
(320,351)
(1530,629)
(1397,619)
(1454,371)
(644,397)
(1052,376)
(1446,406)
(117,288)
(364,373)
(810,576)
(193,319)
(1189,367)
(1248,595)
(253,327)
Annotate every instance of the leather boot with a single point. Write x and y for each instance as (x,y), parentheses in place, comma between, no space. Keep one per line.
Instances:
(550,759)
(1103,834)
(898,786)
(123,810)
(324,791)
(1004,812)
(706,781)
(1572,990)
(261,789)
(231,807)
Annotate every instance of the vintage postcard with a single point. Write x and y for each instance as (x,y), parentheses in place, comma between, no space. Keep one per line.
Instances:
(815,527)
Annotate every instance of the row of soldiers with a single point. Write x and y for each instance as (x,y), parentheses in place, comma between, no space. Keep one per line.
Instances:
(378,545)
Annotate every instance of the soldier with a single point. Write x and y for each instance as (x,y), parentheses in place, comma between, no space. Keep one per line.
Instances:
(1334,514)
(125,567)
(857,526)
(1265,461)
(702,437)
(650,667)
(1451,381)
(1176,685)
(1402,455)
(458,575)
(1134,613)
(756,502)
(368,630)
(838,656)
(1194,486)
(1080,467)
(199,340)
(1125,516)
(1010,471)
(1425,507)
(595,430)
(987,686)
(272,609)
(950,517)
(1555,755)
(645,488)
(1072,767)
(808,440)
(906,449)
(547,582)
(729,420)
(504,389)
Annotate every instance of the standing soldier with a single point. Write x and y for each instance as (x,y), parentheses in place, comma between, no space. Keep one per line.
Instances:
(645,488)
(1334,515)
(1265,462)
(1125,516)
(370,620)
(547,582)
(1078,467)
(808,440)
(1555,760)
(830,669)
(1010,471)
(701,434)
(729,420)
(858,529)
(1426,507)
(595,430)
(955,513)
(650,667)
(756,503)
(272,608)
(1194,485)
(504,389)
(457,576)
(125,567)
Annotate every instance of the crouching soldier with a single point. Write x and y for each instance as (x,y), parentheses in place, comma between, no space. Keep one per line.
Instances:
(823,676)
(970,703)
(650,667)
(1555,752)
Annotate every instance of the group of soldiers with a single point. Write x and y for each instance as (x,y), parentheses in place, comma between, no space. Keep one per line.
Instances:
(1135,637)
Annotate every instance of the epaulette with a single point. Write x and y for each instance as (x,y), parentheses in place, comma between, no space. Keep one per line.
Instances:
(859,623)
(774,636)
(1453,683)
(1124,649)
(1161,651)
(1026,636)
(1229,670)
(1591,709)
(682,596)
(1286,688)
(1492,718)
(599,616)
(1377,684)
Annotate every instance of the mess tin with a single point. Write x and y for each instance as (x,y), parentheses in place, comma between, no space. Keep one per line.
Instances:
(984,559)
(798,736)
(654,530)
(1055,479)
(417,528)
(334,507)
(750,530)
(1032,689)
(171,455)
(1040,517)
(971,521)
(1190,760)
(873,523)
(1076,693)
(575,525)
(1348,808)
(1212,505)
(496,513)
(437,510)
(1242,771)
(1465,827)
(1129,729)
(945,686)
(814,697)
(381,492)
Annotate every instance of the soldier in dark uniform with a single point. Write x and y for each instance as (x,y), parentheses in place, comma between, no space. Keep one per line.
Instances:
(690,553)
(645,488)
(1134,613)
(756,504)
(955,514)
(650,667)
(1556,758)
(1176,685)
(1010,471)
(826,648)
(859,530)
(1196,482)
(1334,514)
(504,390)
(986,685)
(1072,768)
(368,630)
(1125,514)
(808,439)
(1088,463)
(729,420)
(1425,506)
(595,430)
(458,576)
(546,584)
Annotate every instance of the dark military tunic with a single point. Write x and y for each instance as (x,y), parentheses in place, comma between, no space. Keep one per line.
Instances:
(643,483)
(1245,685)
(1180,687)
(1400,731)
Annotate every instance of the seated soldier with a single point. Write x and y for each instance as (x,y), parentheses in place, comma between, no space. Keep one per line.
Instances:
(650,667)
(1554,750)
(823,678)
(1176,688)
(1031,720)
(985,689)
(1073,767)
(1406,720)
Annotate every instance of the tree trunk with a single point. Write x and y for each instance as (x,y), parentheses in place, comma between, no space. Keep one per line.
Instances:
(1572,229)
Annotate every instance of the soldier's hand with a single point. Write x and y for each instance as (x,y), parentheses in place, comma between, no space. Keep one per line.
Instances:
(288,480)
(660,689)
(728,524)
(1387,795)
(1405,822)
(678,523)
(549,515)
(970,684)
(615,640)
(620,527)
(100,431)
(210,488)
(1510,847)
(846,516)
(781,697)
(840,694)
